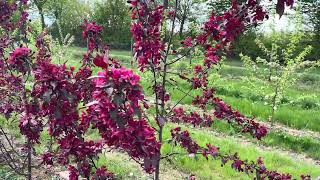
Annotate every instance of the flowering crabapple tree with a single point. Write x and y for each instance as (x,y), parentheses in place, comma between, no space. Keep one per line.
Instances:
(67,102)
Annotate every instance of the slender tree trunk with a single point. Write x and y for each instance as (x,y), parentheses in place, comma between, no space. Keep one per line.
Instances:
(157,171)
(163,111)
(165,4)
(39,4)
(258,176)
(29,160)
(183,20)
(181,27)
(274,104)
(43,24)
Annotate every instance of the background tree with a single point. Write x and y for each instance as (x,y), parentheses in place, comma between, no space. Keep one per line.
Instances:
(40,5)
(184,13)
(113,15)
(310,9)
(69,14)
(219,6)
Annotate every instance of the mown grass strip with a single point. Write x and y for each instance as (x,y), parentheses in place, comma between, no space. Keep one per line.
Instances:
(212,169)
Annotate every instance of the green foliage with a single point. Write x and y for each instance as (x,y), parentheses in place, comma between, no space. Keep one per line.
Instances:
(219,6)
(279,67)
(114,17)
(246,44)
(311,8)
(6,174)
(307,145)
(69,14)
(60,45)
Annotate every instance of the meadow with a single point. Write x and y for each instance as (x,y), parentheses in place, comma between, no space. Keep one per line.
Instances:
(292,145)
(244,75)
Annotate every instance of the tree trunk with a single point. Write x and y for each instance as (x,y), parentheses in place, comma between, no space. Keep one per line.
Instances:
(183,20)
(29,160)
(181,26)
(43,24)
(274,104)
(165,4)
(157,171)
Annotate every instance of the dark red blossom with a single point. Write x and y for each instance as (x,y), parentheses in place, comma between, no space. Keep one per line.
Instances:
(171,13)
(102,173)
(224,111)
(23,18)
(115,111)
(146,33)
(198,69)
(90,29)
(30,127)
(184,140)
(19,59)
(18,53)
(196,83)
(47,158)
(92,34)
(161,93)
(73,173)
(180,116)
(100,61)
(7,10)
(237,164)
(187,42)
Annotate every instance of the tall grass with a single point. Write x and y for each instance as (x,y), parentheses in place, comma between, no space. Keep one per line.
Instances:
(212,169)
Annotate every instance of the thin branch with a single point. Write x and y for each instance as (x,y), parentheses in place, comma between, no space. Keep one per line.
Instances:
(9,142)
(182,56)
(170,154)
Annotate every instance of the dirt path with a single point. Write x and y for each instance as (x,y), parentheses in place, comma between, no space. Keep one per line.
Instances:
(291,131)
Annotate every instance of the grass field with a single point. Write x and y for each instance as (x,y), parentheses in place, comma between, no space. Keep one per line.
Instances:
(279,148)
(294,112)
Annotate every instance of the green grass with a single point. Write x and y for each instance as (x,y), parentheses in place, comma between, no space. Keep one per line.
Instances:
(298,144)
(212,169)
(76,52)
(293,97)
(6,174)
(306,145)
(121,166)
(303,113)
(247,101)
(287,115)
